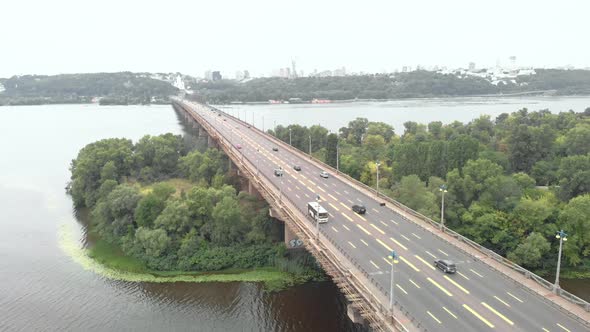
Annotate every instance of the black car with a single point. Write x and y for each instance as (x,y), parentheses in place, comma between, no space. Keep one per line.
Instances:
(275,149)
(297,168)
(445,265)
(360,209)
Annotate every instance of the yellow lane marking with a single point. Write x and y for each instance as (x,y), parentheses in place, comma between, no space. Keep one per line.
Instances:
(334,198)
(335,230)
(297,187)
(562,327)
(450,313)
(409,263)
(416,236)
(375,210)
(333,206)
(363,241)
(377,228)
(415,284)
(544,329)
(303,176)
(433,317)
(405,237)
(297,196)
(303,183)
(375,265)
(497,313)
(456,284)
(384,245)
(320,188)
(431,255)
(400,287)
(506,304)
(347,217)
(358,215)
(444,253)
(399,244)
(478,316)
(476,273)
(384,224)
(425,262)
(348,229)
(461,274)
(439,286)
(352,245)
(516,298)
(395,222)
(312,183)
(346,207)
(364,230)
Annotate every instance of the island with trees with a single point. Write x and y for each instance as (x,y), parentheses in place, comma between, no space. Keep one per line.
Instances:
(159,206)
(512,181)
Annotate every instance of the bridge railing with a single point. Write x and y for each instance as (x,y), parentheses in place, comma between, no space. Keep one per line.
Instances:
(279,197)
(420,217)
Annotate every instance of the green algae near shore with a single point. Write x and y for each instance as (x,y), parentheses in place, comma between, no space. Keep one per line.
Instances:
(71,247)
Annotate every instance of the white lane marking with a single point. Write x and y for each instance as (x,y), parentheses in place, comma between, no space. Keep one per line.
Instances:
(363,241)
(416,236)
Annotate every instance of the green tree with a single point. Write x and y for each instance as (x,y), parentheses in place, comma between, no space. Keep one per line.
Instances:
(357,129)
(461,149)
(412,192)
(530,253)
(331,149)
(574,220)
(574,176)
(174,219)
(153,242)
(577,139)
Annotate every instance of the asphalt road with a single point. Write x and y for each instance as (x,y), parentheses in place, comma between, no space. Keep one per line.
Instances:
(476,298)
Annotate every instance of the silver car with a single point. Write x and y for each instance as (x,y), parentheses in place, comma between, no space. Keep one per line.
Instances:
(324,174)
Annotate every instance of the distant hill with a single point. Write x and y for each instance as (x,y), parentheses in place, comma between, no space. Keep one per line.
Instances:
(109,88)
(416,84)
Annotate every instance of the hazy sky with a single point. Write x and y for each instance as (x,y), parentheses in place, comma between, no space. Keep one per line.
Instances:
(63,36)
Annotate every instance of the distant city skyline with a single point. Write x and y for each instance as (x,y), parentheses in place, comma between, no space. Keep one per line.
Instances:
(66,36)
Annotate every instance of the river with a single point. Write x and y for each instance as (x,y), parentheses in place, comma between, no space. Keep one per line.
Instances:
(42,287)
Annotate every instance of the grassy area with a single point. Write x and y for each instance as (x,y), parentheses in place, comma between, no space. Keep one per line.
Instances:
(180,185)
(112,256)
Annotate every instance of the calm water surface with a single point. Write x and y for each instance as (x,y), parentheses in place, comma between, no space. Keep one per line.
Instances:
(41,288)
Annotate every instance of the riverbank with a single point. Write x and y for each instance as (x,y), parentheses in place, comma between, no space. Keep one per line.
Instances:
(109,262)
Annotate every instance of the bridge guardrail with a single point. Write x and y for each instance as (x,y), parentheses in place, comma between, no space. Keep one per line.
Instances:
(485,251)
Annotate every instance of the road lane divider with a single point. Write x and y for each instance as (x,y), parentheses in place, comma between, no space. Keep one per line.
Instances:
(375,265)
(363,229)
(516,298)
(415,284)
(476,273)
(431,255)
(351,244)
(456,284)
(401,288)
(334,198)
(384,245)
(444,290)
(375,210)
(416,236)
(450,313)
(405,237)
(461,274)
(433,317)
(504,318)
(347,217)
(345,206)
(378,229)
(442,252)
(409,264)
(383,223)
(393,221)
(474,313)
(563,327)
(335,230)
(334,207)
(348,229)
(397,242)
(298,197)
(365,243)
(425,262)
(502,301)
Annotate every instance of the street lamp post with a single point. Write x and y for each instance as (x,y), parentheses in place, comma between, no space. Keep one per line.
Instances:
(394,260)
(338,156)
(443,190)
(290,136)
(310,145)
(562,236)
(317,220)
(263,123)
(377,164)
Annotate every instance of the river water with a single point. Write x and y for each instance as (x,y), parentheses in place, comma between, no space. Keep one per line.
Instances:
(44,288)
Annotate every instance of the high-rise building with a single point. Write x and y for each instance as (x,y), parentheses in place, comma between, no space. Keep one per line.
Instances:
(216,76)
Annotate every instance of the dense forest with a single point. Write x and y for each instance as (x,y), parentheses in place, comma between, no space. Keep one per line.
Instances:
(416,84)
(512,181)
(206,225)
(112,88)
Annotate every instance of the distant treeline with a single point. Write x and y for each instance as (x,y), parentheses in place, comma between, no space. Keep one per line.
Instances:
(111,88)
(415,84)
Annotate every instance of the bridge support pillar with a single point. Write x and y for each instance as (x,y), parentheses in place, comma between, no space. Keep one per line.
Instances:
(354,314)
(211,142)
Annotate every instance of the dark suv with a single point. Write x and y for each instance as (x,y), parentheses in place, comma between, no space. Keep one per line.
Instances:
(445,265)
(360,209)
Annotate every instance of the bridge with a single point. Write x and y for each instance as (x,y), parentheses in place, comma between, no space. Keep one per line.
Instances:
(487,293)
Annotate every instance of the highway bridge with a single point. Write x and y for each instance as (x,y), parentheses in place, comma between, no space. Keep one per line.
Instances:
(487,293)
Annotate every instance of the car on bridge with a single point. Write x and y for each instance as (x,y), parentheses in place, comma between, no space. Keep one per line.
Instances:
(274,148)
(445,265)
(297,168)
(278,171)
(358,208)
(324,174)
(238,146)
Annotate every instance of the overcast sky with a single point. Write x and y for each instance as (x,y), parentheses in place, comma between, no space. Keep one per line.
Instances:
(63,36)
